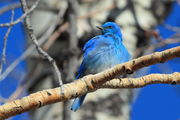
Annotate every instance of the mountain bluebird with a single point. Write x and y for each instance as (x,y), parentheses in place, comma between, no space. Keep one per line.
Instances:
(101,52)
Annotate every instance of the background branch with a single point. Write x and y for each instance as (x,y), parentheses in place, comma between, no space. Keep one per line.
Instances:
(71,65)
(31,48)
(3,60)
(22,17)
(39,49)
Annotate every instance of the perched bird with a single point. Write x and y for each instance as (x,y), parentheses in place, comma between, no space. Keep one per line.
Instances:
(101,52)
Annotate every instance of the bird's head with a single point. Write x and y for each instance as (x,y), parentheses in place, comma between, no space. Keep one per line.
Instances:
(110,27)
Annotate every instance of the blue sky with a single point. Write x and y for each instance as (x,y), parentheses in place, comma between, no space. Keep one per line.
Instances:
(160,101)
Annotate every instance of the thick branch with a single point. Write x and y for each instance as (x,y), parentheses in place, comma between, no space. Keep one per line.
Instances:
(92,82)
(79,88)
(143,81)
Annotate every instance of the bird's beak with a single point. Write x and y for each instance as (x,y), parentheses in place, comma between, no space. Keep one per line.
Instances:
(100,28)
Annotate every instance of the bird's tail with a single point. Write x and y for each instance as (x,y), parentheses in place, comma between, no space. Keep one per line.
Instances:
(77,103)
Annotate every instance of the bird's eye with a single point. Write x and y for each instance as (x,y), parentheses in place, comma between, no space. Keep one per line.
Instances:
(109,26)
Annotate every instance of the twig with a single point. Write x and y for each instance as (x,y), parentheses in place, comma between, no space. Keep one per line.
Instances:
(22,17)
(55,35)
(31,48)
(3,60)
(91,83)
(18,5)
(173,28)
(39,49)
(154,46)
(9,7)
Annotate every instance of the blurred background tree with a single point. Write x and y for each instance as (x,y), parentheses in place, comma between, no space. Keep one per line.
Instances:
(62,28)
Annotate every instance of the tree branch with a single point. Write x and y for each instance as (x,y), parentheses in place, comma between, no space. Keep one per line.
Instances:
(9,7)
(143,81)
(39,49)
(3,60)
(22,17)
(91,83)
(31,48)
(30,3)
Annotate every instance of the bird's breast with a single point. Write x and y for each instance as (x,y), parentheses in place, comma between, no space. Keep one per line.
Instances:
(103,59)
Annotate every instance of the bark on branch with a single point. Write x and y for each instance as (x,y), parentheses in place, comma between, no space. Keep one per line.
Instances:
(143,81)
(91,83)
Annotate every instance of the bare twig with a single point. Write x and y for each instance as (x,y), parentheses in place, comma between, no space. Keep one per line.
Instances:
(22,17)
(39,49)
(18,5)
(55,35)
(173,28)
(91,83)
(154,46)
(3,60)
(31,48)
(9,7)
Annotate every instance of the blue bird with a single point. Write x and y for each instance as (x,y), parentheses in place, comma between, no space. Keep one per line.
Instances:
(101,52)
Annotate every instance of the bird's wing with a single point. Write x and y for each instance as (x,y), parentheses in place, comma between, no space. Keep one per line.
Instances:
(94,46)
(97,45)
(91,44)
(90,48)
(87,47)
(80,71)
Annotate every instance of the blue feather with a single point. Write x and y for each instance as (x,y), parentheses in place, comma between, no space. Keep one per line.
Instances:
(101,52)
